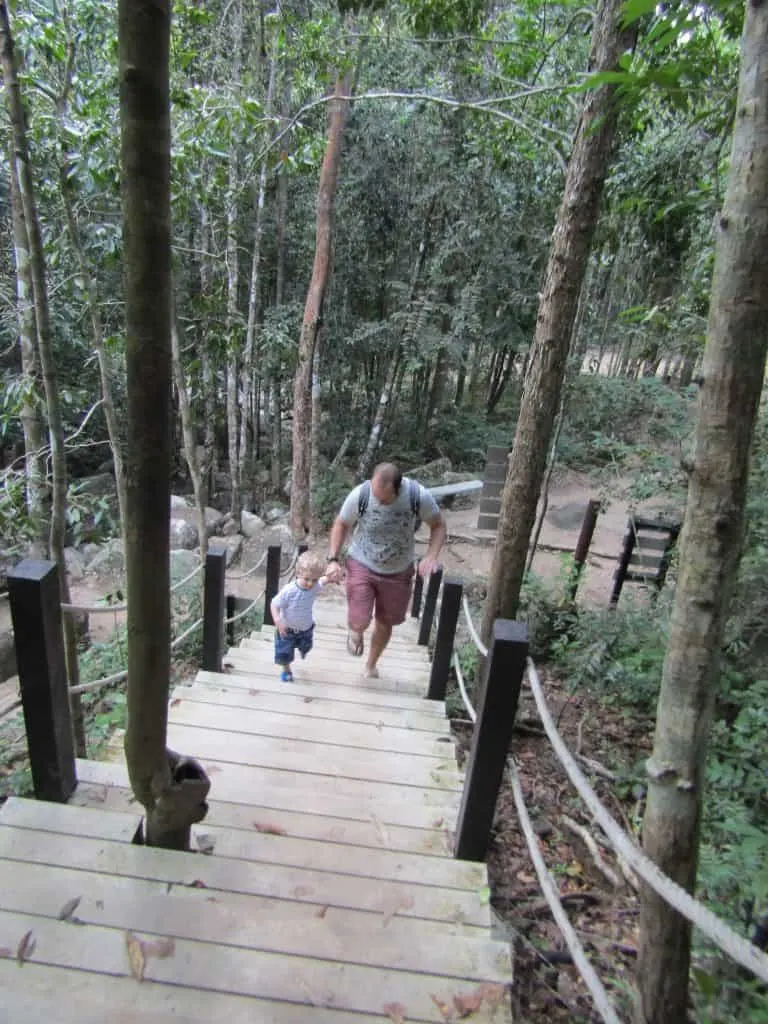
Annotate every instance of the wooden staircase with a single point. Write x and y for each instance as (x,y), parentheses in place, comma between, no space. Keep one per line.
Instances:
(323,888)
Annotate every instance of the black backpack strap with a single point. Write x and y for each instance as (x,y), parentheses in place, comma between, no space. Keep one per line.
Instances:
(414,492)
(363,498)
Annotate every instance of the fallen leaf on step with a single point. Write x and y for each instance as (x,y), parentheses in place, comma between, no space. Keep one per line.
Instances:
(438,823)
(308,700)
(443,1007)
(160,948)
(26,947)
(395,1011)
(254,693)
(66,912)
(269,830)
(393,907)
(302,891)
(322,911)
(228,666)
(198,883)
(468,1003)
(493,993)
(175,702)
(205,843)
(136,957)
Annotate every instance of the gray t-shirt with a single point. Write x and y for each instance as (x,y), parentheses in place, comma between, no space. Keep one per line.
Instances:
(383,539)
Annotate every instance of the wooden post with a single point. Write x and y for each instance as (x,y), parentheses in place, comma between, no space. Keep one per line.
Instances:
(446,633)
(273,581)
(213,608)
(301,549)
(418,590)
(430,603)
(630,538)
(231,609)
(582,545)
(674,531)
(33,589)
(490,742)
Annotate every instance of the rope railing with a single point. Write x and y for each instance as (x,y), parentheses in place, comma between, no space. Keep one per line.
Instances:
(96,609)
(549,889)
(462,688)
(249,572)
(482,649)
(245,611)
(722,935)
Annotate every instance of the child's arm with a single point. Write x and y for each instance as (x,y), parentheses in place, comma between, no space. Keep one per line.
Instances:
(325,580)
(274,607)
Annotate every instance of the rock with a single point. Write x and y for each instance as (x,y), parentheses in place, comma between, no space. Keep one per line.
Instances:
(431,473)
(183,534)
(449,477)
(89,551)
(280,534)
(111,558)
(75,563)
(99,486)
(567,517)
(213,521)
(7,655)
(179,501)
(275,513)
(233,545)
(229,526)
(250,524)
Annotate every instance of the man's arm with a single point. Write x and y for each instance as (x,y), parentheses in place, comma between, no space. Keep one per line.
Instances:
(339,534)
(437,535)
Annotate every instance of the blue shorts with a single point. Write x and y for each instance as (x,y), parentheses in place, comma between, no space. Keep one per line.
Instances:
(297,640)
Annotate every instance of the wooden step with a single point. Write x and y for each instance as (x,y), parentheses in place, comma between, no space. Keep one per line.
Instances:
(282,701)
(309,686)
(259,722)
(404,652)
(228,874)
(318,758)
(242,786)
(316,669)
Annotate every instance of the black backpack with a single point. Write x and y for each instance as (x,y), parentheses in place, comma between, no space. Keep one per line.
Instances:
(414,493)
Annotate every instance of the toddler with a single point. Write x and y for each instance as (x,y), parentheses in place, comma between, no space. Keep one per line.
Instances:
(292,613)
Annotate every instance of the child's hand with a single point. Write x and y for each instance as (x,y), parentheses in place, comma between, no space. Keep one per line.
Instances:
(282,629)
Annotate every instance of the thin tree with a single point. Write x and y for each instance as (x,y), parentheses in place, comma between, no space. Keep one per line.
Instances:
(313,310)
(171,790)
(731,384)
(567,264)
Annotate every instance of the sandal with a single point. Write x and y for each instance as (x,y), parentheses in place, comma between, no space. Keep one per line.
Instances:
(355,644)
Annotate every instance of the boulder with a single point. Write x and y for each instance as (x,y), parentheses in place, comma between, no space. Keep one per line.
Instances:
(183,534)
(234,547)
(280,534)
(274,513)
(88,552)
(111,558)
(431,473)
(75,563)
(7,655)
(213,521)
(250,524)
(179,501)
(229,526)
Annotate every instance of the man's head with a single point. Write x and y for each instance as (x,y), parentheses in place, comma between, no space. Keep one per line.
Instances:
(385,482)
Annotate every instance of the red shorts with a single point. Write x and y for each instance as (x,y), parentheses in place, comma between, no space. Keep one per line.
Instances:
(377,594)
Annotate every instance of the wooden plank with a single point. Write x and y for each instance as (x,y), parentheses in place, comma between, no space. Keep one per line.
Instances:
(406,655)
(189,913)
(432,842)
(228,969)
(226,874)
(70,996)
(315,670)
(487,522)
(284,702)
(235,784)
(259,722)
(651,561)
(317,758)
(253,845)
(651,542)
(362,695)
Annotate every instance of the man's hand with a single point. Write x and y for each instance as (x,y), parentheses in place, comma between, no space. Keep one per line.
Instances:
(427,566)
(334,573)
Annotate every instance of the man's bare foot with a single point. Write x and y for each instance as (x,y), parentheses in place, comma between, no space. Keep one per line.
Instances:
(371,673)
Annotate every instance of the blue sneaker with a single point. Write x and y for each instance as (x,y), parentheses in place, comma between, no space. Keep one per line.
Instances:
(286,676)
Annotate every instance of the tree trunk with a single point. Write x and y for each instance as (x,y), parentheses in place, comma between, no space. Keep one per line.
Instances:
(732,377)
(23,170)
(38,495)
(188,432)
(208,468)
(313,311)
(171,790)
(557,310)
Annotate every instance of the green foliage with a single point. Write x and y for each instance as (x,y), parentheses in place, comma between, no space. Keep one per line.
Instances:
(330,491)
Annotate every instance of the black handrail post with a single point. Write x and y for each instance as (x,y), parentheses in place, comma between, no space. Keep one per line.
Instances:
(582,545)
(273,581)
(430,603)
(213,608)
(33,590)
(231,610)
(630,539)
(446,633)
(490,741)
(418,590)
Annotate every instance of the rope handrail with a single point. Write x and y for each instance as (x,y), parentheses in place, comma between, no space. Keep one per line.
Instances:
(551,895)
(462,688)
(248,572)
(291,566)
(720,933)
(96,609)
(119,676)
(483,650)
(245,611)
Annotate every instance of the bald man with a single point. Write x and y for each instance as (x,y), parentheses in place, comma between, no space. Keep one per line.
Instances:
(379,515)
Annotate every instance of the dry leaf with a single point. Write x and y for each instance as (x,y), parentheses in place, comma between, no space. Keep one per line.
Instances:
(493,993)
(394,906)
(308,700)
(442,1006)
(136,957)
(66,912)
(254,693)
(300,891)
(395,1011)
(438,823)
(160,948)
(468,1003)
(100,904)
(205,843)
(322,911)
(26,947)
(269,830)
(228,666)
(175,702)
(5,953)
(198,883)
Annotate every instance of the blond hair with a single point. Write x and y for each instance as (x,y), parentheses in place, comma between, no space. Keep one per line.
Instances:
(310,565)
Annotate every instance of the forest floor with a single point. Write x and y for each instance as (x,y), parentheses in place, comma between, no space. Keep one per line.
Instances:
(604,914)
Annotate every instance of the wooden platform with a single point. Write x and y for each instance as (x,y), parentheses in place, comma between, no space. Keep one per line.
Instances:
(328,892)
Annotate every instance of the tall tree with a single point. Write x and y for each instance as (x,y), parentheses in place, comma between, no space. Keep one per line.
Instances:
(731,383)
(171,790)
(313,310)
(567,264)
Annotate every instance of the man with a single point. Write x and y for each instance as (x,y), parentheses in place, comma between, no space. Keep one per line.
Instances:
(379,563)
